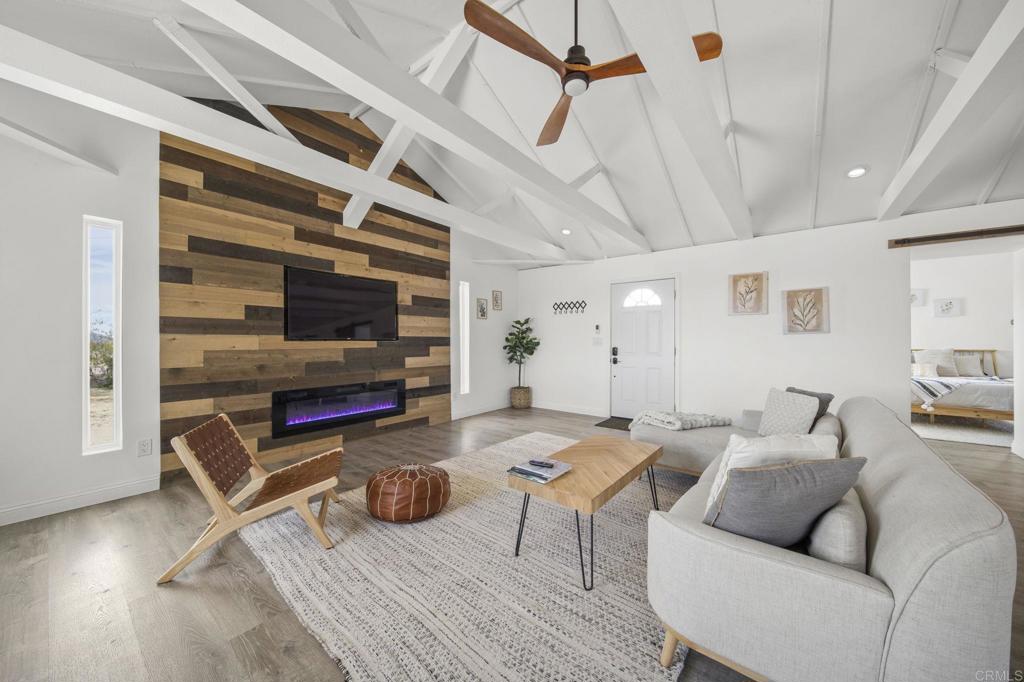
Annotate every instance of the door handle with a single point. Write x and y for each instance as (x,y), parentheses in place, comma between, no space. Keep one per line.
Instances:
(615,361)
(615,350)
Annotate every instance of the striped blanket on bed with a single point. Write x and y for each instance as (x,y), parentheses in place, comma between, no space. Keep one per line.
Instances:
(930,389)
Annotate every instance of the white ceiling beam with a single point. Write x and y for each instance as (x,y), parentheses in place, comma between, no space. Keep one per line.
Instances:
(1000,169)
(298,33)
(654,27)
(178,35)
(586,176)
(824,50)
(446,62)
(126,9)
(49,147)
(950,62)
(37,65)
(728,128)
(949,11)
(495,203)
(993,72)
(191,71)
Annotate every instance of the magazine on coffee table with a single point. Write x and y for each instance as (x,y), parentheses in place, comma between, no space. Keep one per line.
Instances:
(538,473)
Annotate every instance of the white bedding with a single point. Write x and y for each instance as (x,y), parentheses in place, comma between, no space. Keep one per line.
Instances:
(986,395)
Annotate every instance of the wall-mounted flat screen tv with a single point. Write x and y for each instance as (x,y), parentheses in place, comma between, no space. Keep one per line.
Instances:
(322,306)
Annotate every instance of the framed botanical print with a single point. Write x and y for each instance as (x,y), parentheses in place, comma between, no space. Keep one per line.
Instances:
(748,293)
(481,308)
(806,311)
(496,299)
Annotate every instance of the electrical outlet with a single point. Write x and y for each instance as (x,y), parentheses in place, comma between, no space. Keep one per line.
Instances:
(145,447)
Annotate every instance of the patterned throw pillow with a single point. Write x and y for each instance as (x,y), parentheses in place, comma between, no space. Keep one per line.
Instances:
(787,413)
(969,365)
(824,399)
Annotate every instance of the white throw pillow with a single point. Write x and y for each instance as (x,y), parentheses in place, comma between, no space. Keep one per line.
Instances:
(786,412)
(969,365)
(841,534)
(943,358)
(924,369)
(752,452)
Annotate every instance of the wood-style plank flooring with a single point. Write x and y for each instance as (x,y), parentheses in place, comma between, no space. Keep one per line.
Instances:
(79,601)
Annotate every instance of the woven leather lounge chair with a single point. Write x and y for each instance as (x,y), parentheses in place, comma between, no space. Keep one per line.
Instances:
(217,459)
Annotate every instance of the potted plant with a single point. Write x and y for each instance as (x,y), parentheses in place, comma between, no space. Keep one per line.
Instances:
(520,343)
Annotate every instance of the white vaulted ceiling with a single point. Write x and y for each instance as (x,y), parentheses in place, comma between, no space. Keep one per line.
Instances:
(812,87)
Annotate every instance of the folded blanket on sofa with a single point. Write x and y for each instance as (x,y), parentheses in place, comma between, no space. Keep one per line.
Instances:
(678,421)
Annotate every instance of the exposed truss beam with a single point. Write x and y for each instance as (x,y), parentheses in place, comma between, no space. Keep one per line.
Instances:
(206,61)
(950,62)
(495,203)
(1000,169)
(949,11)
(654,28)
(191,71)
(527,261)
(126,9)
(728,128)
(297,32)
(993,72)
(824,51)
(399,138)
(586,176)
(46,68)
(43,144)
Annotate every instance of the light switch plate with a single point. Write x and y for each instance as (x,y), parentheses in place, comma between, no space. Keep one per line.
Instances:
(145,447)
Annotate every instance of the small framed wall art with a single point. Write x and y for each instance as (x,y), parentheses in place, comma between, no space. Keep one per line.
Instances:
(481,308)
(496,299)
(806,310)
(748,294)
(949,307)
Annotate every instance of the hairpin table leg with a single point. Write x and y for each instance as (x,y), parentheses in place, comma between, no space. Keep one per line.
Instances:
(654,487)
(522,520)
(579,540)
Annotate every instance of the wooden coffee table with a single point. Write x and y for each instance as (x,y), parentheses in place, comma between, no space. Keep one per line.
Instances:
(601,467)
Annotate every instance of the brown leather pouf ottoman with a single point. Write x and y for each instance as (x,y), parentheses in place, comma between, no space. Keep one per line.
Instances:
(409,492)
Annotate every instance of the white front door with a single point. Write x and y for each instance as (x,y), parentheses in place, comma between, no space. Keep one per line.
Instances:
(643,347)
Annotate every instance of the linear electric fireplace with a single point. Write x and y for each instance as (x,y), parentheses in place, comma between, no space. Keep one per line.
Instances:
(312,409)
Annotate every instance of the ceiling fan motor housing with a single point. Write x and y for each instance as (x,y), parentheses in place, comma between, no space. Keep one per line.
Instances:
(575,83)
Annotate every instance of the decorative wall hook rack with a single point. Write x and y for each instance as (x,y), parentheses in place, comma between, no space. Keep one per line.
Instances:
(569,307)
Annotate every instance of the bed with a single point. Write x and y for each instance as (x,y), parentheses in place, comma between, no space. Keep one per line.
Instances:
(987,397)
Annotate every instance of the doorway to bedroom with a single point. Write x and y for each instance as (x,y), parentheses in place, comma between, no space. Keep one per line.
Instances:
(961,335)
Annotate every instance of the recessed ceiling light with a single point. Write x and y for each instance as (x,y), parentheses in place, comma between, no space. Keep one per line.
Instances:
(857,172)
(566,231)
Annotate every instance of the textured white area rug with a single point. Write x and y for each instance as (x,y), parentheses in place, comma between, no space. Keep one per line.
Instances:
(444,599)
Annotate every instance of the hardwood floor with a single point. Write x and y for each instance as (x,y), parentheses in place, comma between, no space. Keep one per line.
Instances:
(78,590)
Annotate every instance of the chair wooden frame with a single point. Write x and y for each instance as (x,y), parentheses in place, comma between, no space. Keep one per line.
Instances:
(226,518)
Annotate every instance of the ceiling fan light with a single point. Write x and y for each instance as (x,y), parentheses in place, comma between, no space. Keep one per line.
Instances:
(575,84)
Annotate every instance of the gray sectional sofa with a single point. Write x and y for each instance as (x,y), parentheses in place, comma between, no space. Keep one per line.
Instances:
(934,604)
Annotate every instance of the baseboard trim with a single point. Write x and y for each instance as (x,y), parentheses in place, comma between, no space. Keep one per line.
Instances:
(87,498)
(482,409)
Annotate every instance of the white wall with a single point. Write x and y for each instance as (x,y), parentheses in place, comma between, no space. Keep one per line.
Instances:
(42,201)
(490,375)
(728,363)
(984,282)
(1018,353)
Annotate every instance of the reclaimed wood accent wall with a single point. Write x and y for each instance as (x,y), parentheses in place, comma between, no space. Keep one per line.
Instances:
(228,227)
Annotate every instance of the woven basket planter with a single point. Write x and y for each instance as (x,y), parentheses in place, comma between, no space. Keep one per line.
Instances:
(522,396)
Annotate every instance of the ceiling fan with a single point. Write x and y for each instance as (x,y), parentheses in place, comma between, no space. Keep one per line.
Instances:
(575,70)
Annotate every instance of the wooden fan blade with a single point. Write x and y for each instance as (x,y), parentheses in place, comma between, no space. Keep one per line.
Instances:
(556,121)
(629,65)
(709,46)
(489,22)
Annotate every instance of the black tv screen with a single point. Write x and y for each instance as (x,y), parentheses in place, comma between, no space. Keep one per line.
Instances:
(325,306)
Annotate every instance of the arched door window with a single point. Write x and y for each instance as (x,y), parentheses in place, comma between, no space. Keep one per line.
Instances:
(641,297)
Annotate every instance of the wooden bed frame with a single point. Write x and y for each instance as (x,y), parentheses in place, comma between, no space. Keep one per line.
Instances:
(970,412)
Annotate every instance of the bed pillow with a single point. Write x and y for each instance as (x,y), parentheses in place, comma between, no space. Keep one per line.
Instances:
(786,413)
(944,360)
(840,535)
(969,365)
(779,503)
(753,452)
(924,369)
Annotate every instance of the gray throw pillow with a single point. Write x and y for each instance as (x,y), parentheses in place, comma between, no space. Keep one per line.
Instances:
(824,399)
(841,534)
(779,504)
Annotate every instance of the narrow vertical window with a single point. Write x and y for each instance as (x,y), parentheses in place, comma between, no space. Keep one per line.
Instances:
(102,335)
(464,338)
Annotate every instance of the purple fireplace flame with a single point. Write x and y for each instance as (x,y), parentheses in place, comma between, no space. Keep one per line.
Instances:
(303,414)
(303,410)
